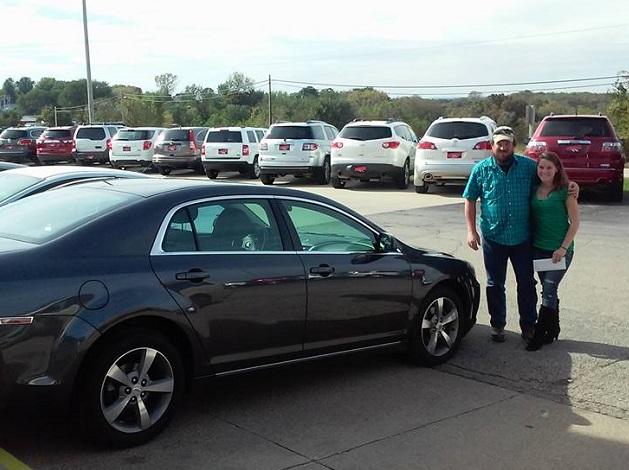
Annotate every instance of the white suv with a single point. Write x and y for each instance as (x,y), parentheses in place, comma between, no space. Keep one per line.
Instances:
(232,149)
(134,146)
(450,148)
(373,150)
(92,143)
(297,148)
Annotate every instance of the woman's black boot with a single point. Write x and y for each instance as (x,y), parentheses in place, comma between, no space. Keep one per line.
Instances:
(541,327)
(553,329)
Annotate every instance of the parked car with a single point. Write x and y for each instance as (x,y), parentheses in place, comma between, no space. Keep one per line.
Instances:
(92,143)
(55,144)
(10,165)
(148,284)
(19,144)
(450,148)
(374,150)
(133,147)
(299,149)
(588,147)
(179,147)
(18,183)
(232,149)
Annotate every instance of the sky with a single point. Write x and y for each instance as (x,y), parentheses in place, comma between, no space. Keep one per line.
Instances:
(441,49)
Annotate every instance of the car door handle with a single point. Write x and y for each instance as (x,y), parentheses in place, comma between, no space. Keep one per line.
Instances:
(323,270)
(192,276)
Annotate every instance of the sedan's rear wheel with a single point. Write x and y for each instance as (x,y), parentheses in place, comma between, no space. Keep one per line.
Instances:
(438,328)
(129,388)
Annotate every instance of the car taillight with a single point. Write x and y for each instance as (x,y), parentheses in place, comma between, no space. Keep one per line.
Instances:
(245,149)
(535,148)
(23,142)
(390,145)
(612,147)
(193,144)
(73,144)
(485,145)
(203,150)
(310,147)
(264,146)
(108,144)
(425,145)
(146,145)
(337,145)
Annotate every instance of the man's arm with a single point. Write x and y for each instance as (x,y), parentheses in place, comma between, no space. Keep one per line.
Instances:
(473,239)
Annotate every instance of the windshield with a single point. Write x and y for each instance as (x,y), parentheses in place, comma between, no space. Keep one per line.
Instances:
(45,216)
(224,136)
(11,184)
(140,134)
(366,132)
(290,132)
(457,130)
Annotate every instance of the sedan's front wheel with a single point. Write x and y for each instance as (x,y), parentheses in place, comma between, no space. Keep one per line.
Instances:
(129,388)
(438,328)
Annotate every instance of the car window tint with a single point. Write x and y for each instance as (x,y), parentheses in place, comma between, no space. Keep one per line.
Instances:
(364,133)
(57,134)
(260,135)
(322,229)
(13,134)
(576,127)
(251,136)
(90,133)
(199,135)
(223,136)
(112,131)
(317,133)
(290,132)
(329,132)
(457,130)
(131,134)
(35,133)
(176,135)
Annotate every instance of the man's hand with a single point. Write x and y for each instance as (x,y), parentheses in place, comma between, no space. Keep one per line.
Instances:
(573,189)
(473,240)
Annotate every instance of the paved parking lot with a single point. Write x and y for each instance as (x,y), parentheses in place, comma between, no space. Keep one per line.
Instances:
(493,406)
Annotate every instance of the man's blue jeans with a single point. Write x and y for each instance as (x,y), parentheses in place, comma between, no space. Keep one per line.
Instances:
(495,257)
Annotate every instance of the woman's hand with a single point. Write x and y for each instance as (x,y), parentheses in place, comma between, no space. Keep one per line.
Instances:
(558,254)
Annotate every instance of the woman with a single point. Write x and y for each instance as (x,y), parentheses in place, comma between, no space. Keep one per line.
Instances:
(555,224)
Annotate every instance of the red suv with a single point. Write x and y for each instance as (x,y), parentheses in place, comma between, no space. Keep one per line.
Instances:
(55,145)
(588,147)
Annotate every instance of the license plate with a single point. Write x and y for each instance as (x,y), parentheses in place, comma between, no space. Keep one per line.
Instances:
(126,149)
(90,157)
(10,147)
(171,147)
(222,151)
(455,155)
(284,146)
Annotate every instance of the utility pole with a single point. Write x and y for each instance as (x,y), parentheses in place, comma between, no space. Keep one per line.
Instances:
(90,97)
(270,108)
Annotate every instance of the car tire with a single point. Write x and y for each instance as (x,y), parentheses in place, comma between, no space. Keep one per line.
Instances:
(254,169)
(338,183)
(267,178)
(423,189)
(212,174)
(616,191)
(164,170)
(401,181)
(323,174)
(437,329)
(129,388)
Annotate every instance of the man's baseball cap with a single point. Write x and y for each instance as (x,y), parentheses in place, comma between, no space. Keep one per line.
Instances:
(503,133)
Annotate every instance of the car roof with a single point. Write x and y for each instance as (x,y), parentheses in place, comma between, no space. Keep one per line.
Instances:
(49,171)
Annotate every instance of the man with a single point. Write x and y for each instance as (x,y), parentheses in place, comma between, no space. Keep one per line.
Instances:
(503,183)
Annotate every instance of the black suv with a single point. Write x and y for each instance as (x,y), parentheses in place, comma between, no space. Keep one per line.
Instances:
(19,144)
(179,147)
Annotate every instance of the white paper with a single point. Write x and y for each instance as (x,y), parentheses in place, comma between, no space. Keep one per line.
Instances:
(548,265)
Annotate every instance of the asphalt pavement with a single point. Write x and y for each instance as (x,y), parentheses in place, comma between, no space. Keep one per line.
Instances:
(492,406)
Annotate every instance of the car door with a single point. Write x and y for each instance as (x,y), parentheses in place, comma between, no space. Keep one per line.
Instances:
(357,297)
(224,263)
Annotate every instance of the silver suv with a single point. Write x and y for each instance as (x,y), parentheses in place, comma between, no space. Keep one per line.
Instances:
(92,143)
(232,149)
(299,149)
(179,147)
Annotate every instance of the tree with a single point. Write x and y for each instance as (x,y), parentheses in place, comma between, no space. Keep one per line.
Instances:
(166,83)
(618,110)
(9,90)
(24,85)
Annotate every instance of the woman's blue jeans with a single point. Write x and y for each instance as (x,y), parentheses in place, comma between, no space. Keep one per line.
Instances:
(550,279)
(495,257)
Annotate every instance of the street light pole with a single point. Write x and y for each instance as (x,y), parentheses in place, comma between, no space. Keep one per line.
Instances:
(90,97)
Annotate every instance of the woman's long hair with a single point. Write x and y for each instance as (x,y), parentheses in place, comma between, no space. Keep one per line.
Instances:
(561,178)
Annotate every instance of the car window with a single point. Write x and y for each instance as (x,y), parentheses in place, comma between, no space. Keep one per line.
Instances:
(260,135)
(57,134)
(175,135)
(34,133)
(13,134)
(11,184)
(364,133)
(133,134)
(457,130)
(112,131)
(577,127)
(317,133)
(322,229)
(290,132)
(223,136)
(199,134)
(90,133)
(251,136)
(247,225)
(330,132)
